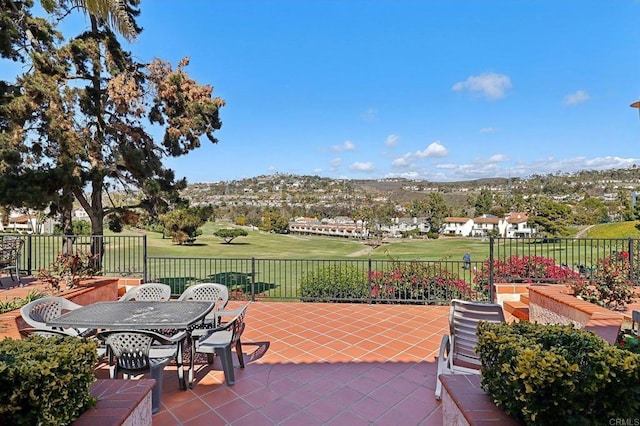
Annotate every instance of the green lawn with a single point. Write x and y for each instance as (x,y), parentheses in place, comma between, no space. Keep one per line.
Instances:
(291,246)
(283,260)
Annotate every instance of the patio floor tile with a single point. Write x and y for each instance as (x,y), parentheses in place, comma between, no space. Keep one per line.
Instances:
(319,364)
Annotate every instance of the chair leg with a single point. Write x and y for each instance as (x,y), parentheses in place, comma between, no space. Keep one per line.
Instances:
(113,369)
(191,361)
(180,368)
(442,362)
(239,353)
(227,364)
(156,393)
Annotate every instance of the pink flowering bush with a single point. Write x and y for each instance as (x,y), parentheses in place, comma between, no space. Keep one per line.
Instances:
(610,285)
(418,281)
(525,269)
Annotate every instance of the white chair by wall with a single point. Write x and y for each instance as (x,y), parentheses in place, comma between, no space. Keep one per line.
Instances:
(43,310)
(457,349)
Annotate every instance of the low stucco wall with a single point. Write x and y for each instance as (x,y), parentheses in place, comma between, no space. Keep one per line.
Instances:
(554,304)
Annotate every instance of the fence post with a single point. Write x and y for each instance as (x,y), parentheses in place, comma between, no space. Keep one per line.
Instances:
(28,249)
(632,275)
(491,242)
(253,279)
(369,280)
(144,258)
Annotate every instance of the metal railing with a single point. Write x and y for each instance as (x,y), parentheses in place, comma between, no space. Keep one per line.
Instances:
(121,255)
(371,281)
(581,256)
(353,280)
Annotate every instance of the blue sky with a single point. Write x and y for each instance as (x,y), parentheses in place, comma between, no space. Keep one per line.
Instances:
(440,90)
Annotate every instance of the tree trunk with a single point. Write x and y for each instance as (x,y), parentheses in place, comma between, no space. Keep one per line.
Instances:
(97,223)
(66,212)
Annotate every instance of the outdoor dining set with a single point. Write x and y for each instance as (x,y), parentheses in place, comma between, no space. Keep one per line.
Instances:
(145,330)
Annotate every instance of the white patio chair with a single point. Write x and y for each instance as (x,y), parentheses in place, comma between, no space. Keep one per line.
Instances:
(149,292)
(43,310)
(219,341)
(457,349)
(135,352)
(207,292)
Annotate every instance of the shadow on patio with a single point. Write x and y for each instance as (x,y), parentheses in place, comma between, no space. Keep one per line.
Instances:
(320,364)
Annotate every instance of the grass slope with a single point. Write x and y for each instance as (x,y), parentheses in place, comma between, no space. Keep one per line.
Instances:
(615,230)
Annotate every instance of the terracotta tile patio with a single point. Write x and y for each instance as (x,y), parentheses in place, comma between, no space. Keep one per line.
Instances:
(320,364)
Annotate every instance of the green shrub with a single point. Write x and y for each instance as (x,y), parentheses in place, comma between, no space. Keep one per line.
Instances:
(45,381)
(628,341)
(552,374)
(334,283)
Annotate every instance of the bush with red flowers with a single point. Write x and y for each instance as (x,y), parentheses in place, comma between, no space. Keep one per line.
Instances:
(524,269)
(418,281)
(610,285)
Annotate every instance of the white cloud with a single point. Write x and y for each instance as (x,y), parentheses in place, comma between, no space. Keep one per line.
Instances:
(402,161)
(335,164)
(498,158)
(346,146)
(392,140)
(499,166)
(358,166)
(435,149)
(576,98)
(489,85)
(487,130)
(272,168)
(369,115)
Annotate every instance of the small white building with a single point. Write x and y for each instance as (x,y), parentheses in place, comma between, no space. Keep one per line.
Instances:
(486,225)
(517,226)
(457,226)
(400,225)
(27,223)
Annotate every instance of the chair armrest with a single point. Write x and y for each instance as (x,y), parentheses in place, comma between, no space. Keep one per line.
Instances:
(229,313)
(168,340)
(445,348)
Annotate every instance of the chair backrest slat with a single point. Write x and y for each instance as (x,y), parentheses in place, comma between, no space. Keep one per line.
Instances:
(149,292)
(464,318)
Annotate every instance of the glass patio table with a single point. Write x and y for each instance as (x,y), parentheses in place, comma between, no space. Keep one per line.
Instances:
(131,315)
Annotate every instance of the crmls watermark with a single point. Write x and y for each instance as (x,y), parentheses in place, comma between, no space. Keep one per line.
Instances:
(624,422)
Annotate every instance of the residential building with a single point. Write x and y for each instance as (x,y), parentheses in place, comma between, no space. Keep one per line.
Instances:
(457,226)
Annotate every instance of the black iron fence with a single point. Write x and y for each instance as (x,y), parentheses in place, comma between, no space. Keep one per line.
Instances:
(560,259)
(121,255)
(372,281)
(353,280)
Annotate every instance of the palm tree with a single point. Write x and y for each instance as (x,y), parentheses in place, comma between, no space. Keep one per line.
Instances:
(113,12)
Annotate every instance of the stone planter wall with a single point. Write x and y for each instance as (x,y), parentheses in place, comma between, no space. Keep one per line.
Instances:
(88,292)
